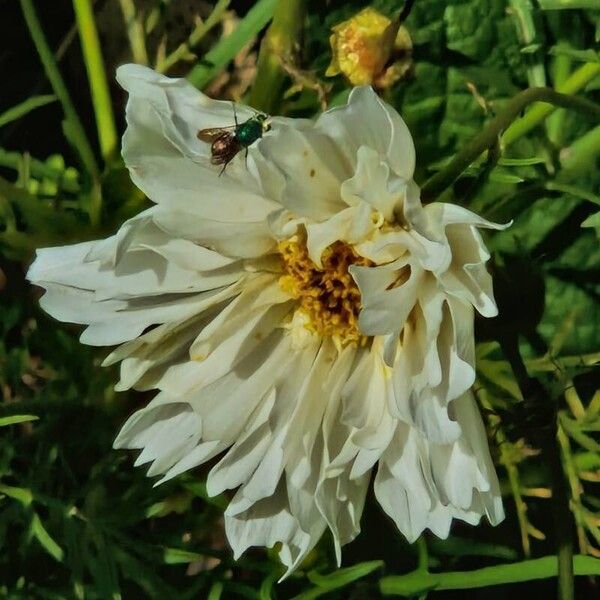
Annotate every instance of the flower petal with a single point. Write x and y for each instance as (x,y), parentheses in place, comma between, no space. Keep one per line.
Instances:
(373,184)
(169,163)
(308,167)
(368,121)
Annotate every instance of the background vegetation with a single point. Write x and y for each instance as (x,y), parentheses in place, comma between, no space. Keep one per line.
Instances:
(77,520)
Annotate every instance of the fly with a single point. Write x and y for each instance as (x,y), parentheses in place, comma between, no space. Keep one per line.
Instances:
(226,142)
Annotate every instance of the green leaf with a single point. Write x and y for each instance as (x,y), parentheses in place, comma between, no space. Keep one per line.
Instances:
(338,579)
(215,591)
(25,107)
(48,59)
(198,488)
(469,28)
(144,574)
(419,582)
(587,461)
(175,556)
(569,4)
(266,589)
(456,546)
(530,48)
(226,49)
(38,531)
(103,567)
(23,495)
(593,221)
(573,190)
(499,176)
(521,162)
(500,374)
(587,56)
(12,420)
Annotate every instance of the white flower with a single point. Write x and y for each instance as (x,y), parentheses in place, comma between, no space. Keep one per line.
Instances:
(303,316)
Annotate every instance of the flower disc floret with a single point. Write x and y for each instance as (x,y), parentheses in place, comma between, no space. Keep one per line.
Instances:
(328,295)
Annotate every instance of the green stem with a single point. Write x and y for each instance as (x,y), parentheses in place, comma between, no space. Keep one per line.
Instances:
(581,155)
(434,186)
(279,44)
(38,169)
(135,32)
(576,489)
(184,49)
(522,13)
(568,4)
(536,397)
(528,570)
(562,522)
(577,81)
(508,462)
(78,137)
(92,55)
(422,553)
(227,48)
(560,71)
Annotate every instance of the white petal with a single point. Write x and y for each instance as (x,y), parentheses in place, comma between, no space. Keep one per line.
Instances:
(467,277)
(401,485)
(349,225)
(310,170)
(166,430)
(230,238)
(368,121)
(265,524)
(373,184)
(232,349)
(385,308)
(245,455)
(168,162)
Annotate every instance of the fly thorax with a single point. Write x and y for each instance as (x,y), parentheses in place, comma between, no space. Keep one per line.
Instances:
(247,133)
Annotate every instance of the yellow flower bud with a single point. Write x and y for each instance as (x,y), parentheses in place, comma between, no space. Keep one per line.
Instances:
(362,48)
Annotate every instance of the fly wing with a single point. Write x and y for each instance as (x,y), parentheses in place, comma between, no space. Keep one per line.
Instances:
(210,134)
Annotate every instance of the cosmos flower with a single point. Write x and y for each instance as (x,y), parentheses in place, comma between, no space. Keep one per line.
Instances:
(307,322)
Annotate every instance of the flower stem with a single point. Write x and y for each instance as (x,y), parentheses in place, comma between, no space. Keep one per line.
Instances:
(522,13)
(92,55)
(39,170)
(135,32)
(568,4)
(536,397)
(422,553)
(405,12)
(419,581)
(279,43)
(434,186)
(562,524)
(202,28)
(581,154)
(225,50)
(73,127)
(539,112)
(507,460)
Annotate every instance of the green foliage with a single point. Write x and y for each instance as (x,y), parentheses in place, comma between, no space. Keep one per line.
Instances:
(77,520)
(16,112)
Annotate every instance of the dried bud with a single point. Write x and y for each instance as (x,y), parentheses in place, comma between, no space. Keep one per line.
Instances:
(369,49)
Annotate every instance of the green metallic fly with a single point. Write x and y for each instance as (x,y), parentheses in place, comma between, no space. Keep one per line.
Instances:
(226,142)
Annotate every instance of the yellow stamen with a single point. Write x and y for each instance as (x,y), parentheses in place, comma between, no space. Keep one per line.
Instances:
(328,296)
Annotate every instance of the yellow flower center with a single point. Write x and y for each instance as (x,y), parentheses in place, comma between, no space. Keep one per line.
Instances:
(329,296)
